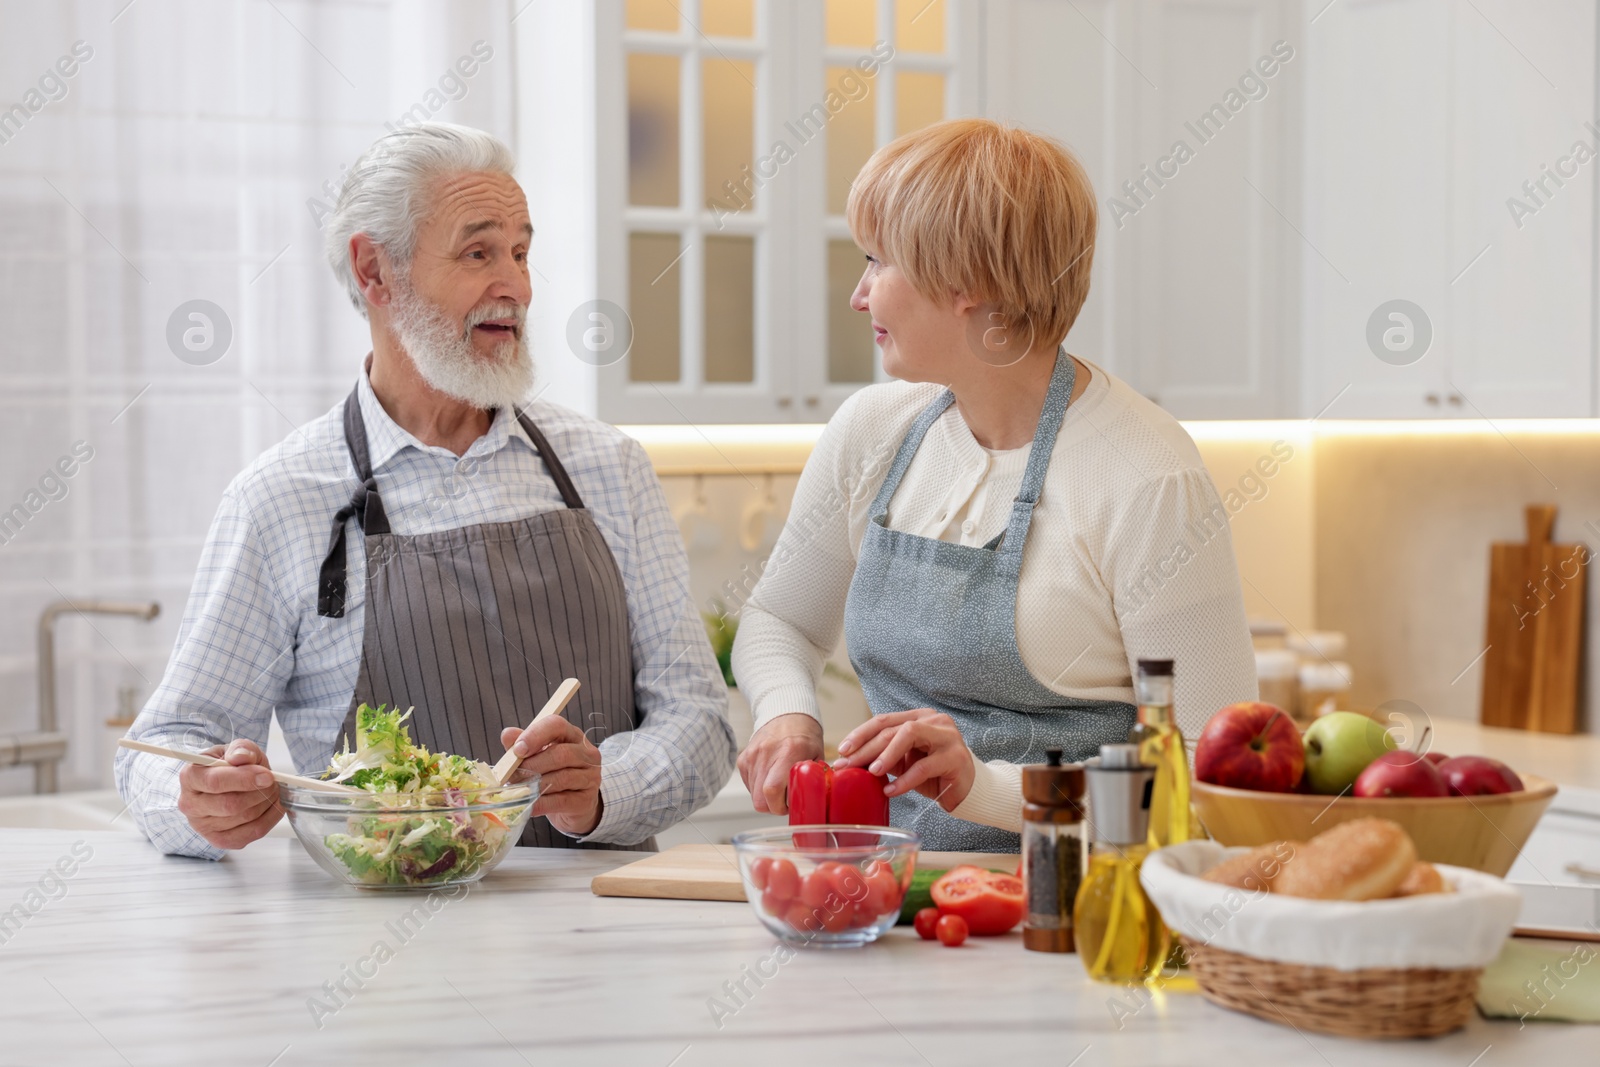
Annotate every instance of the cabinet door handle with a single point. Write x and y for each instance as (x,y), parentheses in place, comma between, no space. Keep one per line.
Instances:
(785,401)
(1433,398)
(812,401)
(1455,399)
(1587,874)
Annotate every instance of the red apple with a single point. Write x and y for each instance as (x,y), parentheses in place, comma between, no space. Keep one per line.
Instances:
(1251,746)
(1476,776)
(1435,758)
(1400,774)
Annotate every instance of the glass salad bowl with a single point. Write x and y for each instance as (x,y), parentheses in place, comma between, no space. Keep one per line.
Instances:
(826,886)
(419,840)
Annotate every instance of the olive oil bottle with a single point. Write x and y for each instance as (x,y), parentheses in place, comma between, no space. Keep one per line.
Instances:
(1161,746)
(1120,936)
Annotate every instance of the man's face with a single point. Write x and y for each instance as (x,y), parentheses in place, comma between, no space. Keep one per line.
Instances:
(472,253)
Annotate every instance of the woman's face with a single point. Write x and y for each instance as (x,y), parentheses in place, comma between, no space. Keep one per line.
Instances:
(921,340)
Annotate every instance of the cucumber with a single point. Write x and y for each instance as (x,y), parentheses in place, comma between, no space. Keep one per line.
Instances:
(920,895)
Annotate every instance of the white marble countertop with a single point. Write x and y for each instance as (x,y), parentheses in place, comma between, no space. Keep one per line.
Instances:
(143,959)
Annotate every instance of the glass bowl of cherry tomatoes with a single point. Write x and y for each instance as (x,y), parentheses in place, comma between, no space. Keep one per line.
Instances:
(827,886)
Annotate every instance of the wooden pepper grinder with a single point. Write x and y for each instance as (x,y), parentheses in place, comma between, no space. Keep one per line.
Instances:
(1052,851)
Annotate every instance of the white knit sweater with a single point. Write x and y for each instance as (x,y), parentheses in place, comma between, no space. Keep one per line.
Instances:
(1129,555)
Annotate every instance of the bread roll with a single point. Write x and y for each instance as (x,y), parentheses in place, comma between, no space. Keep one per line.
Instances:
(1423,878)
(1253,870)
(1363,859)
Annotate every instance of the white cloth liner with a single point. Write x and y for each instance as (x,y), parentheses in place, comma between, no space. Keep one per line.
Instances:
(1453,931)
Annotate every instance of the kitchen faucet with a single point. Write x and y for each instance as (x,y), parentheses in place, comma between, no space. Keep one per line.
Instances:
(47,746)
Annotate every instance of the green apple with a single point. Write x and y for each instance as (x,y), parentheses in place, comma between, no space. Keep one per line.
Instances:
(1338,748)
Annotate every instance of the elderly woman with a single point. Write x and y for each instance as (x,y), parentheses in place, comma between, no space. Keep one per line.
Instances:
(1001,532)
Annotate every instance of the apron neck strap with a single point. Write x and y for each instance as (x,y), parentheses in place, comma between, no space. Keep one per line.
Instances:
(1062,380)
(908,450)
(365,506)
(569,492)
(1056,400)
(1010,542)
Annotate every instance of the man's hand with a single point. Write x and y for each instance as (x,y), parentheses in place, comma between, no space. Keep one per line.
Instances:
(568,768)
(923,749)
(230,806)
(780,744)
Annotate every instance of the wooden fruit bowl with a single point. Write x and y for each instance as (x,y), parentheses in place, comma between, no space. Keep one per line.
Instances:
(1484,833)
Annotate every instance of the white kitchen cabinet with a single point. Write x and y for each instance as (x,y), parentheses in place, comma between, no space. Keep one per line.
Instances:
(700,153)
(1194,292)
(1376,166)
(1423,118)
(1565,846)
(1376,163)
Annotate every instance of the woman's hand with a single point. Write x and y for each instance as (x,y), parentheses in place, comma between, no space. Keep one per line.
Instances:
(922,749)
(778,745)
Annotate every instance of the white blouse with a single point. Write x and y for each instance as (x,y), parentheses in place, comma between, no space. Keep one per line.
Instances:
(1129,556)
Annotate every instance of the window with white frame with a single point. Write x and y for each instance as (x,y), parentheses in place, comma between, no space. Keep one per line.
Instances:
(738,127)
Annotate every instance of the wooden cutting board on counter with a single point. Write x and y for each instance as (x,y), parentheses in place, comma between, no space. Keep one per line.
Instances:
(1535,630)
(710,872)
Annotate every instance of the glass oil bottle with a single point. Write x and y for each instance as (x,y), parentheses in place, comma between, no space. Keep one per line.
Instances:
(1161,746)
(1120,935)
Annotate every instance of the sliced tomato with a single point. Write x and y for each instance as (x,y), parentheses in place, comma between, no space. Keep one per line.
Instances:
(990,902)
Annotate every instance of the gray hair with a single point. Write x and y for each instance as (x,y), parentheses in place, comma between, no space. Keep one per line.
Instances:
(384,193)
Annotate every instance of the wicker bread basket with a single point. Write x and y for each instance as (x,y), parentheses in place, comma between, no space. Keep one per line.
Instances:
(1375,969)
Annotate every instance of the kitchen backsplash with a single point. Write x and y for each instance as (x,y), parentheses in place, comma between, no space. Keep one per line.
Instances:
(1381,531)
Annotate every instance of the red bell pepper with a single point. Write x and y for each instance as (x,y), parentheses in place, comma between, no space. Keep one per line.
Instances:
(819,795)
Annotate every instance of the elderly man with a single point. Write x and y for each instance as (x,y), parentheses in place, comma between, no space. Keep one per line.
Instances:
(480,552)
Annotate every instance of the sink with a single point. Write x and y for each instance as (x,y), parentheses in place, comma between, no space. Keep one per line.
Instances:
(94,810)
(97,809)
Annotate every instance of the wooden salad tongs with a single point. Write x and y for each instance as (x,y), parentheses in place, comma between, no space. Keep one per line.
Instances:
(299,780)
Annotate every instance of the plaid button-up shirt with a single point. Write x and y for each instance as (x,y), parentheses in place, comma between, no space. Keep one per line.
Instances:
(251,642)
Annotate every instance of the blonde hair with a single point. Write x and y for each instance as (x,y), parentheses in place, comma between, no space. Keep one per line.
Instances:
(992,212)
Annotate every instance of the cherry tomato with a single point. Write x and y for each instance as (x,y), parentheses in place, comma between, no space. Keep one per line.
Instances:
(838,921)
(802,918)
(783,881)
(990,903)
(951,929)
(883,892)
(817,887)
(850,883)
(925,923)
(758,871)
(773,906)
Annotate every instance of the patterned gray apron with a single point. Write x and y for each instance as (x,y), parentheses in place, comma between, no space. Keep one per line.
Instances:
(933,624)
(475,627)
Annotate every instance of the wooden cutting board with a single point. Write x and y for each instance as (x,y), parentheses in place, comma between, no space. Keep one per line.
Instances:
(1535,630)
(710,872)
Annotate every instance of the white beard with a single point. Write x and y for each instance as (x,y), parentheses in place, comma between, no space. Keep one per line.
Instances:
(444,355)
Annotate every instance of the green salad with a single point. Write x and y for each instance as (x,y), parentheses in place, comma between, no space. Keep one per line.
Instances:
(419,832)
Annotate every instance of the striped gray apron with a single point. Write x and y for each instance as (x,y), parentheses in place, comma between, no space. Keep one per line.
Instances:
(933,624)
(475,627)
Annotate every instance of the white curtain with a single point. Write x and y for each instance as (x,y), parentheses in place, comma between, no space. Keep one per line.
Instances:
(183,158)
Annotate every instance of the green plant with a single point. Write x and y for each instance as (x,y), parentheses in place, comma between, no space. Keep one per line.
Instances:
(722,628)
